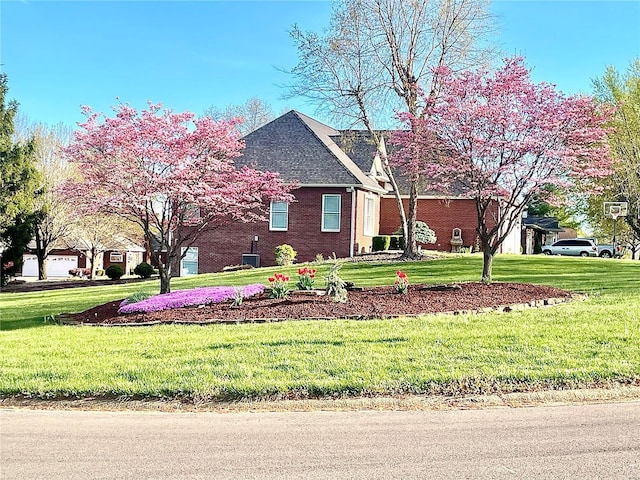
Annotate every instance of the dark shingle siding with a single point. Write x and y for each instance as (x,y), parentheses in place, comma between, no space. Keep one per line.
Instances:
(289,146)
(358,145)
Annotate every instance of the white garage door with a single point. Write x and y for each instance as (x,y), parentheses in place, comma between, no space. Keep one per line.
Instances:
(57,265)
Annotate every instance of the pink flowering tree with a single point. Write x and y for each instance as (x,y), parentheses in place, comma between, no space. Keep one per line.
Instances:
(504,140)
(170,173)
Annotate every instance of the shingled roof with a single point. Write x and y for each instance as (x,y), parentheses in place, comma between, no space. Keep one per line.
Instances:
(304,151)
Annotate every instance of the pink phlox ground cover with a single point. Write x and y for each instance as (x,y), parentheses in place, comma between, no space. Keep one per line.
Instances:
(189,298)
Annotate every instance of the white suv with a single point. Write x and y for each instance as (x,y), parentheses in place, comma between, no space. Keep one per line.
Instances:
(574,247)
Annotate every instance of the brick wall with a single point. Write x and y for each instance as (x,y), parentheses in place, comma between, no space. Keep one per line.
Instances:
(106,259)
(225,245)
(441,215)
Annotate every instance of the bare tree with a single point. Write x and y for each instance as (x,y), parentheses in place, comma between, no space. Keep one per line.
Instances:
(254,112)
(378,55)
(54,215)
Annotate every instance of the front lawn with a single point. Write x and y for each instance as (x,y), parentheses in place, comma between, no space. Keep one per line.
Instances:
(586,343)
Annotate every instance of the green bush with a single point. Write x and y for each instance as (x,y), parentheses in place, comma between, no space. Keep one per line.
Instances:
(143,270)
(114,272)
(285,254)
(336,288)
(396,242)
(380,243)
(138,297)
(424,234)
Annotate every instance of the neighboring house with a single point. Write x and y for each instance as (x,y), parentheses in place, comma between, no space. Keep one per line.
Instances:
(117,250)
(342,200)
(539,231)
(72,253)
(128,257)
(63,257)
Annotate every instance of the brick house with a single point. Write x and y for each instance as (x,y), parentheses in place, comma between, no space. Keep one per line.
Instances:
(444,214)
(342,200)
(336,207)
(70,253)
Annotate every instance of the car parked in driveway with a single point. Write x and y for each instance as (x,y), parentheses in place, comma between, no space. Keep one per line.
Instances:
(575,247)
(606,250)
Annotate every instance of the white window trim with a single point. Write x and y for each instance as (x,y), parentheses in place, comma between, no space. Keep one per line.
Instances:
(116,257)
(323,228)
(369,228)
(183,273)
(286,212)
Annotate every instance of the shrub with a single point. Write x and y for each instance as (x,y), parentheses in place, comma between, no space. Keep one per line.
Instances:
(285,255)
(80,272)
(238,296)
(423,233)
(114,272)
(143,270)
(100,272)
(380,243)
(136,297)
(396,242)
(336,288)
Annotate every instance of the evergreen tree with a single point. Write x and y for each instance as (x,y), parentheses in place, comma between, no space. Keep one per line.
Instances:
(19,181)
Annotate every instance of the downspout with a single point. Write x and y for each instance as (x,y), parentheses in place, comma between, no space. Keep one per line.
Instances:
(353,221)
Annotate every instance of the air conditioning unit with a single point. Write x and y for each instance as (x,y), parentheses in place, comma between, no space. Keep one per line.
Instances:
(251,259)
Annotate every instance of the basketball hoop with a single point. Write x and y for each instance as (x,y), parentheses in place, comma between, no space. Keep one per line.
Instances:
(615,211)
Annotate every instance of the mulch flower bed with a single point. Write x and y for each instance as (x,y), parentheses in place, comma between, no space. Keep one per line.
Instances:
(365,303)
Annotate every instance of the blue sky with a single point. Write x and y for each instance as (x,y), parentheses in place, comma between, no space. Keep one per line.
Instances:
(191,55)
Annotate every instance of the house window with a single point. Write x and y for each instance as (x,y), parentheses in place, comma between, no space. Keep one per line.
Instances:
(331,213)
(369,215)
(116,257)
(189,262)
(279,217)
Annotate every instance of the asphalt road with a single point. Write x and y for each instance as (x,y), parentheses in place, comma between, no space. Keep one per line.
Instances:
(580,441)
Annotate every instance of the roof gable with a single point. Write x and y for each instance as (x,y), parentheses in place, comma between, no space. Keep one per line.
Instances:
(361,148)
(303,151)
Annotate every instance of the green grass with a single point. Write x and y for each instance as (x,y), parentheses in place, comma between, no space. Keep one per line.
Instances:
(592,342)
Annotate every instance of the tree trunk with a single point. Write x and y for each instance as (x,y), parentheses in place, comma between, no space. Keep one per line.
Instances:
(487,264)
(410,247)
(42,267)
(165,279)
(41,255)
(92,263)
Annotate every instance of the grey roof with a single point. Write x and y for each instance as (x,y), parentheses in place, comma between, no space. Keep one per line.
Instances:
(359,146)
(548,224)
(308,152)
(304,151)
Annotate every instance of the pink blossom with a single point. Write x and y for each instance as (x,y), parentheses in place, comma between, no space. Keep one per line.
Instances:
(188,298)
(170,173)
